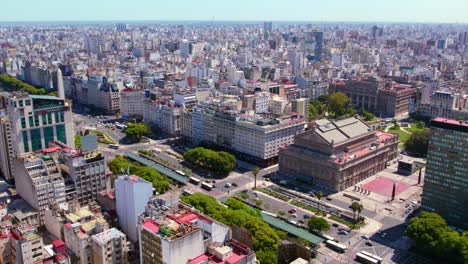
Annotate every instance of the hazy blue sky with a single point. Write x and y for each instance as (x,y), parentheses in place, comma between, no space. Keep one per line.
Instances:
(296,10)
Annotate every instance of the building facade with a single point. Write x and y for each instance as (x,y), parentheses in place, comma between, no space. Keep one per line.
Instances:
(131,193)
(445,184)
(338,154)
(109,247)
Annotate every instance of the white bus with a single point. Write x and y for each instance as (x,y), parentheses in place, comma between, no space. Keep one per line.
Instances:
(379,259)
(194,180)
(113,146)
(336,246)
(207,186)
(187,192)
(327,237)
(361,258)
(180,172)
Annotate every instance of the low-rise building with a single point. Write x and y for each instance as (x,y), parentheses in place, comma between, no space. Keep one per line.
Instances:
(338,154)
(109,247)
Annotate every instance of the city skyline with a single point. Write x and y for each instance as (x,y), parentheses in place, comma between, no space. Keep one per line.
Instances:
(331,11)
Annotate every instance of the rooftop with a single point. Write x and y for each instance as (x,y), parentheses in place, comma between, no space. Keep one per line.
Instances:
(104,237)
(339,131)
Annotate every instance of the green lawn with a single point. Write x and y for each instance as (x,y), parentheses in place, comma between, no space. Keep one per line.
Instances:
(403,135)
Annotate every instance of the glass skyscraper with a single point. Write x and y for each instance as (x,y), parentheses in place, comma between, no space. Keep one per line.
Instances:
(446,181)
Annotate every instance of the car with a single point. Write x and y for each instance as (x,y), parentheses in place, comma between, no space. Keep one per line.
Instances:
(294,215)
(329,198)
(335,225)
(369,244)
(365,237)
(234,184)
(292,210)
(293,222)
(267,179)
(343,232)
(311,193)
(306,216)
(227,185)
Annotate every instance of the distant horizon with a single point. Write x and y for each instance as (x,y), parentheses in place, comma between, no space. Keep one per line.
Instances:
(356,11)
(132,21)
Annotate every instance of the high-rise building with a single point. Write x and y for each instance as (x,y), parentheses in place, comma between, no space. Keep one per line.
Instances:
(313,45)
(446,180)
(38,120)
(121,27)
(132,193)
(109,247)
(7,152)
(267,27)
(39,182)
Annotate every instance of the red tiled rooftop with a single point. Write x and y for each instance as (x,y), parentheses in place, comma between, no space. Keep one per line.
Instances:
(58,243)
(186,218)
(151,225)
(234,258)
(199,259)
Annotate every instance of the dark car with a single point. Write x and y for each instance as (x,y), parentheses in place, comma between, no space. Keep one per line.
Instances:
(234,184)
(369,244)
(335,225)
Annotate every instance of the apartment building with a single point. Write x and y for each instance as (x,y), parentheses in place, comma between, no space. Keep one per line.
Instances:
(39,182)
(109,247)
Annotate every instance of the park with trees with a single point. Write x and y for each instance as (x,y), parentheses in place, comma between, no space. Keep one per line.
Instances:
(135,131)
(11,84)
(120,164)
(266,239)
(218,162)
(433,237)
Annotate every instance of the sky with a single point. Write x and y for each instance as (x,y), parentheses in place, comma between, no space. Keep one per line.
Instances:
(433,11)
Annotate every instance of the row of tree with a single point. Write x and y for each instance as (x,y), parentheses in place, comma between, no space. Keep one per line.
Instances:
(120,165)
(433,237)
(218,162)
(266,239)
(12,84)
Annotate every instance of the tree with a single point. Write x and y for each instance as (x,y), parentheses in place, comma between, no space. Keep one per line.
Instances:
(433,237)
(312,112)
(318,224)
(368,116)
(266,239)
(418,142)
(255,172)
(321,108)
(421,125)
(319,197)
(338,103)
(218,162)
(356,207)
(323,98)
(77,141)
(135,131)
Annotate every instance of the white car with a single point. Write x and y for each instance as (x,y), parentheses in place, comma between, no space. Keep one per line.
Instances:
(292,222)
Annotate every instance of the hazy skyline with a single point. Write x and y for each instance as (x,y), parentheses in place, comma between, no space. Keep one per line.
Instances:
(431,11)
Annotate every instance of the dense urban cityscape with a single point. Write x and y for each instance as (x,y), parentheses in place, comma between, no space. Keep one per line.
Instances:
(233,142)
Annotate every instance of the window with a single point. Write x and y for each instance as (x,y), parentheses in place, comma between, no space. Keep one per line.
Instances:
(48,135)
(56,116)
(36,120)
(44,119)
(23,122)
(36,143)
(20,103)
(25,141)
(31,121)
(14,104)
(61,134)
(62,117)
(28,102)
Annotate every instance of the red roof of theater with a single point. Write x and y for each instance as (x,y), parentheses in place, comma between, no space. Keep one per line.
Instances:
(186,218)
